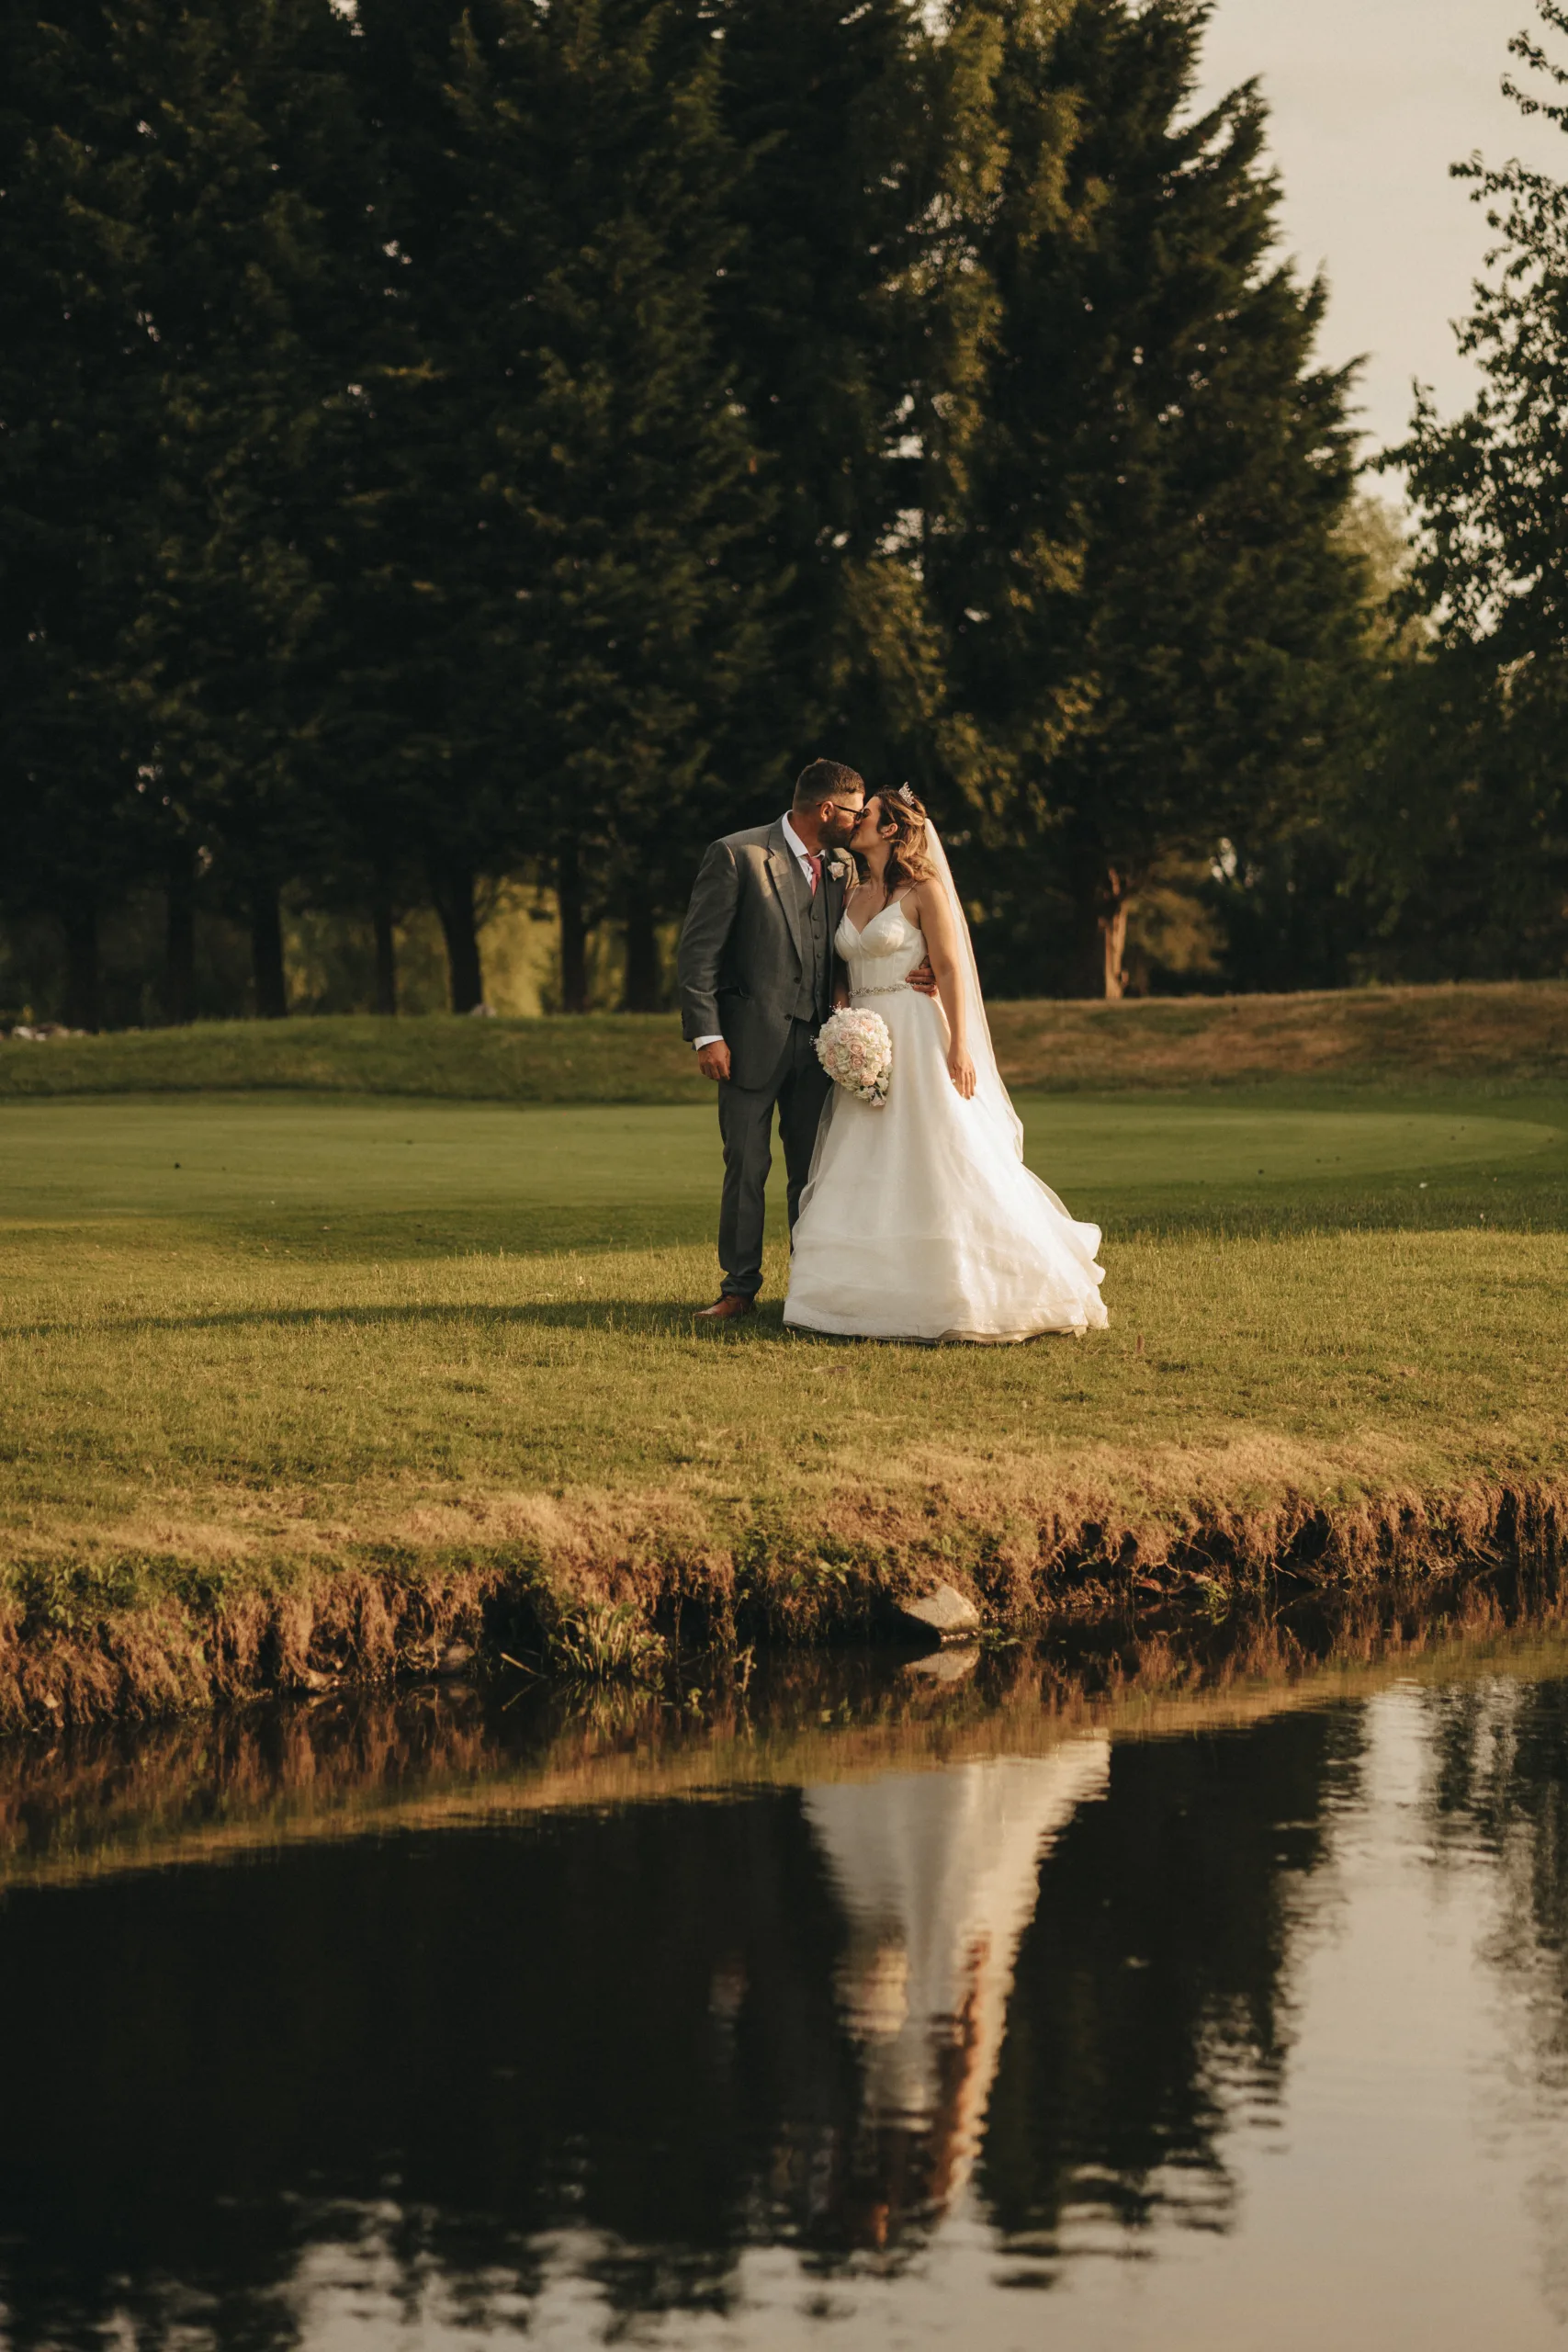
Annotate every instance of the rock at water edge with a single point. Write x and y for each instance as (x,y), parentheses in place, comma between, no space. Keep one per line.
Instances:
(949,1615)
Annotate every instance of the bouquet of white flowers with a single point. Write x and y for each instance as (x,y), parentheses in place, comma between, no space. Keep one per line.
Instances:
(856,1051)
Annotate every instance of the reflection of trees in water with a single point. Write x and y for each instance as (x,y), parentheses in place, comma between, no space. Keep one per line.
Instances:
(1500,1751)
(1500,1782)
(130,1795)
(627,2023)
(624,2023)
(1149,2000)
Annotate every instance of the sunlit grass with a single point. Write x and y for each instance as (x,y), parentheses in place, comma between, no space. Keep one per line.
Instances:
(329,1319)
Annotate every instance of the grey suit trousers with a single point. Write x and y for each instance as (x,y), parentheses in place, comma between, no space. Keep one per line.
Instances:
(799,1088)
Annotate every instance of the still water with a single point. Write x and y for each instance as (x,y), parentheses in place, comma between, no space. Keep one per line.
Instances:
(1151,2001)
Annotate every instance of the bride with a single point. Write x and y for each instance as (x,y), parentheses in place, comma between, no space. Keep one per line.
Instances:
(919,1220)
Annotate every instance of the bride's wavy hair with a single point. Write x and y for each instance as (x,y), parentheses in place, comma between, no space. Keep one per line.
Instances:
(909,861)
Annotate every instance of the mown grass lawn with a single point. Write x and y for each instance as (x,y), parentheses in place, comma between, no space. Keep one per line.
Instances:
(253,1328)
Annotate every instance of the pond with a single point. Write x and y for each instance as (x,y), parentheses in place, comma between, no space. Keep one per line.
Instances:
(1145,1995)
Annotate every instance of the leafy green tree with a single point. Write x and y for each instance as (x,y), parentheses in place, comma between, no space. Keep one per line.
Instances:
(1298,893)
(1468,807)
(1151,611)
(1459,834)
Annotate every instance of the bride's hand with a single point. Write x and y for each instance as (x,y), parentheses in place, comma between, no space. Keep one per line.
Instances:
(961,1070)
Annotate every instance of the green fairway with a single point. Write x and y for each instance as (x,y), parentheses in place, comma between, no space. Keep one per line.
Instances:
(254,1337)
(541,1175)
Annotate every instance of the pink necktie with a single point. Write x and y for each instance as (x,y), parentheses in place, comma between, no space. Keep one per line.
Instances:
(814,860)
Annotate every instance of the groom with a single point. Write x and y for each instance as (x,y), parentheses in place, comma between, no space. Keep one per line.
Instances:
(756,973)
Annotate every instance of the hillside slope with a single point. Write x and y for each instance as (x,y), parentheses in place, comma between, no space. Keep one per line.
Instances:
(1503,1033)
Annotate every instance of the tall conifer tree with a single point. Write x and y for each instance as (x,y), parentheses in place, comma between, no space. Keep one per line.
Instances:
(256,211)
(75,448)
(835,309)
(1150,612)
(575,632)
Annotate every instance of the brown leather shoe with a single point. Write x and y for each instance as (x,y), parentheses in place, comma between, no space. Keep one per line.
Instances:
(725,1307)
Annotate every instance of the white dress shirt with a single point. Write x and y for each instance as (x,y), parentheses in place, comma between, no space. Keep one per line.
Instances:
(803,859)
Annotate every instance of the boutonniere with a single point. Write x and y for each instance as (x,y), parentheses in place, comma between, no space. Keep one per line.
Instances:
(839,867)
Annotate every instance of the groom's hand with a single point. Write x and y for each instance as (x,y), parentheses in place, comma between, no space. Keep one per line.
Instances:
(714,1061)
(922,979)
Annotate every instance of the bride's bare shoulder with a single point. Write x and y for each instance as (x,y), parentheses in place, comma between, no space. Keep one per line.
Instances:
(931,908)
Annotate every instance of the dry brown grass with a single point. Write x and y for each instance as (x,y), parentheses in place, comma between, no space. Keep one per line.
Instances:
(1503,1032)
(1202,1528)
(1490,1032)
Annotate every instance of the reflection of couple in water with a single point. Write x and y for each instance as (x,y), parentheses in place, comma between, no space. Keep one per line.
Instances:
(938,1875)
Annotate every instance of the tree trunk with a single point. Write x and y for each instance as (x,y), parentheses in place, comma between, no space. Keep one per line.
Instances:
(179,935)
(641,991)
(1113,935)
(266,953)
(386,953)
(84,1002)
(454,893)
(1100,927)
(573,933)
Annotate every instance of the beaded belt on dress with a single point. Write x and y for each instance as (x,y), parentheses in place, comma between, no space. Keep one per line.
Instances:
(896,989)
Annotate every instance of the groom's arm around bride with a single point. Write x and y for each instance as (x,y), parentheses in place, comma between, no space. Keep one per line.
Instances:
(756,975)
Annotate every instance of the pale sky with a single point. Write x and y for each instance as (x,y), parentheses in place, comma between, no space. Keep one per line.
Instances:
(1370,101)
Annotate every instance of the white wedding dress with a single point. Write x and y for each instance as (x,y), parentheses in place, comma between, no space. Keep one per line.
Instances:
(920,1220)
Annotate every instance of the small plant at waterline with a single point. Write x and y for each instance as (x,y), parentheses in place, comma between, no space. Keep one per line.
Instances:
(605,1642)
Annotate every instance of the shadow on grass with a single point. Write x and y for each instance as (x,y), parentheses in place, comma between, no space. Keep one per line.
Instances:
(1527,1201)
(365,1241)
(317,1237)
(1531,1200)
(613,1317)
(635,1319)
(1503,1204)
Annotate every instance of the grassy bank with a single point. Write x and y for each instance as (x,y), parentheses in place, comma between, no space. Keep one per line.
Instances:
(298,1389)
(1503,1034)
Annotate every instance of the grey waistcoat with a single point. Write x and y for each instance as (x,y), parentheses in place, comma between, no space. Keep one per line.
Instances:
(815,985)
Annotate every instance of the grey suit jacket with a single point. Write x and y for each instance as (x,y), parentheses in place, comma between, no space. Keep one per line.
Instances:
(745,947)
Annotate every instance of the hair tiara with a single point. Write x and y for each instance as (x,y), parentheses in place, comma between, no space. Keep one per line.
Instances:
(906,796)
